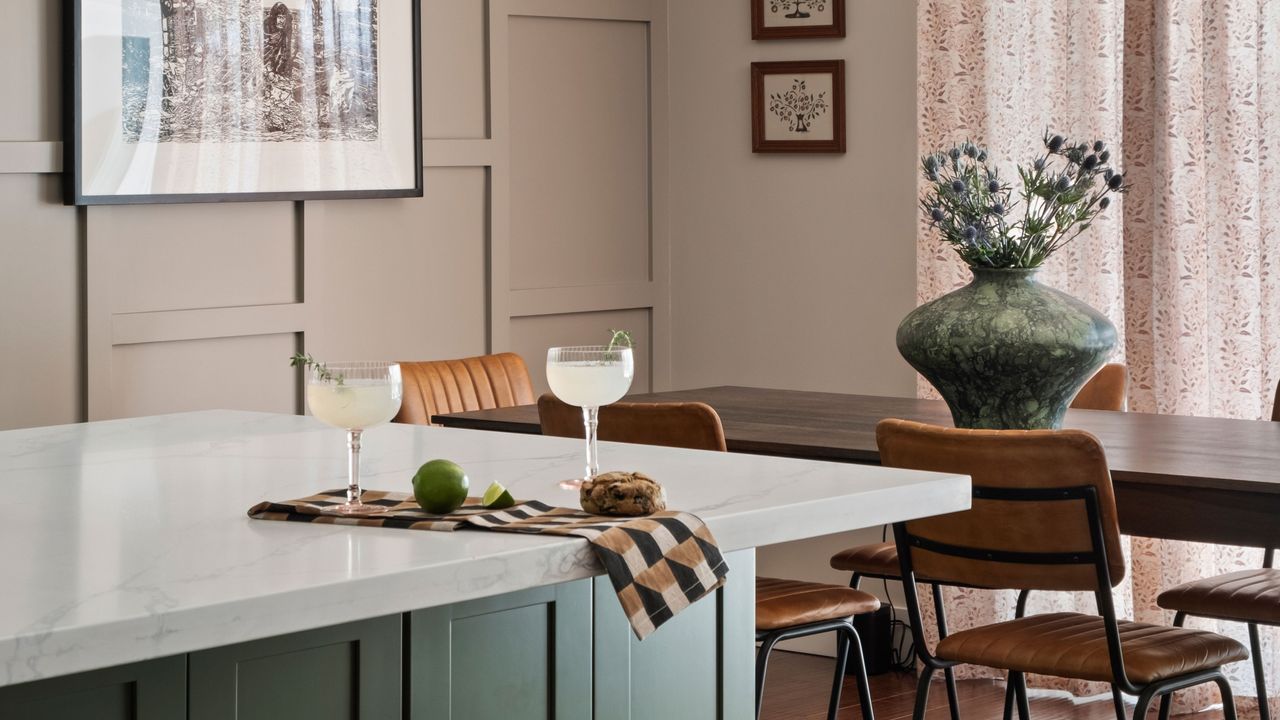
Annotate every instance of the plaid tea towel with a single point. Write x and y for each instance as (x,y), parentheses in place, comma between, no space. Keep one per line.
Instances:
(659,564)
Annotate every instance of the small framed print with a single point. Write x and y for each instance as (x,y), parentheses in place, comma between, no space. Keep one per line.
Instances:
(797,107)
(790,19)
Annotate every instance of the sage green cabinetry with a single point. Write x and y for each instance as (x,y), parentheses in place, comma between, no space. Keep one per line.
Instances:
(342,672)
(150,690)
(525,654)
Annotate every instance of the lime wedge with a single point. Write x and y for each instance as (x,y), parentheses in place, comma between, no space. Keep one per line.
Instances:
(497,497)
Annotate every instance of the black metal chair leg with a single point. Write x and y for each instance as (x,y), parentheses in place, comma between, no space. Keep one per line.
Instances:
(1166,702)
(1228,700)
(1009,692)
(1117,700)
(864,686)
(1259,672)
(842,660)
(1144,701)
(1024,707)
(953,699)
(922,693)
(762,664)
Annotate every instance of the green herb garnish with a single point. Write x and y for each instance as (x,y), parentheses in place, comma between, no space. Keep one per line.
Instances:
(620,338)
(321,371)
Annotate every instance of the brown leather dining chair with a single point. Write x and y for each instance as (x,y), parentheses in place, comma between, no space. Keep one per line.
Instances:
(484,382)
(785,609)
(1106,390)
(1251,597)
(1043,517)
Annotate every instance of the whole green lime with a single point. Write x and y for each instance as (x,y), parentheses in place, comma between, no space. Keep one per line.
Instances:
(440,486)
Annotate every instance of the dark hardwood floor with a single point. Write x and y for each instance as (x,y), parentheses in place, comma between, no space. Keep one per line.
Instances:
(798,686)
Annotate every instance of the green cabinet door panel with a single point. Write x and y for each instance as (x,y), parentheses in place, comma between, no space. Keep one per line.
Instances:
(345,672)
(522,655)
(700,664)
(150,690)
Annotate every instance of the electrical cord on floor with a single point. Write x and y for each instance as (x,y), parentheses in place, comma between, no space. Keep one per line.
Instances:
(899,631)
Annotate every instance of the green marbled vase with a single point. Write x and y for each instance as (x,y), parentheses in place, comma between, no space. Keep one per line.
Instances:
(1005,351)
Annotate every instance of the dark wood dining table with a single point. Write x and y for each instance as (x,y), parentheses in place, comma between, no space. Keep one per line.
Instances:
(1184,478)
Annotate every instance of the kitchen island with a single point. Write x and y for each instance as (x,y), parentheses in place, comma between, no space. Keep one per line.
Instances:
(136,587)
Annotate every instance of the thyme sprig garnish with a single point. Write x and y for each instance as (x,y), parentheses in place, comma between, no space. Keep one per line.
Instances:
(620,338)
(322,372)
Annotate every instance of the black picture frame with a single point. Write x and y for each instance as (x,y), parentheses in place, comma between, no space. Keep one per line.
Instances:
(73,137)
(760,30)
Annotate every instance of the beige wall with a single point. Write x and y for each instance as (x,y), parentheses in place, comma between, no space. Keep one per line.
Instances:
(792,271)
(118,311)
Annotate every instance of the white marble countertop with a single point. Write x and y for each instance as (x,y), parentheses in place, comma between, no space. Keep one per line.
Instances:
(128,540)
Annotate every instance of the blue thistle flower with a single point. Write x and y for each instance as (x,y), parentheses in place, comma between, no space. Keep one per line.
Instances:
(998,209)
(1063,184)
(1090,162)
(1098,146)
(939,216)
(1055,143)
(1116,181)
(1104,203)
(957,186)
(993,186)
(954,153)
(1104,156)
(982,156)
(970,233)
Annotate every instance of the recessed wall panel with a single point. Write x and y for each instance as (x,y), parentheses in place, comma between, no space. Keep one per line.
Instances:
(31,83)
(406,279)
(235,373)
(580,180)
(183,257)
(455,84)
(40,318)
(531,336)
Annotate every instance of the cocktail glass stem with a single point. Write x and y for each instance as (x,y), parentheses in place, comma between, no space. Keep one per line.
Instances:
(353,468)
(591,420)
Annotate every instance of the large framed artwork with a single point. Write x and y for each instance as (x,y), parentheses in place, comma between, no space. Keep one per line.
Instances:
(797,107)
(222,100)
(788,19)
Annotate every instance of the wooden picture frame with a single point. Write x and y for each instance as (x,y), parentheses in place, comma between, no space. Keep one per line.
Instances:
(791,99)
(771,21)
(316,99)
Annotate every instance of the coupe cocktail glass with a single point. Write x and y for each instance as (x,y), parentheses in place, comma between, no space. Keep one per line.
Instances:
(590,376)
(354,396)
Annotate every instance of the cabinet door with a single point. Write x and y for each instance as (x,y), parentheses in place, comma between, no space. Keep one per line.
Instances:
(525,654)
(699,664)
(150,690)
(344,672)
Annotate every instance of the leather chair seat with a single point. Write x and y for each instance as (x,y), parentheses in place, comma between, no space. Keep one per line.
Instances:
(1251,596)
(787,603)
(878,559)
(1075,646)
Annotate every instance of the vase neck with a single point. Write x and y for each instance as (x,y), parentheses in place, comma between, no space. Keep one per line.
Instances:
(1006,276)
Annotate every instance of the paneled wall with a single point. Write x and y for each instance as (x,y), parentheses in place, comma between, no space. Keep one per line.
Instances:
(543,223)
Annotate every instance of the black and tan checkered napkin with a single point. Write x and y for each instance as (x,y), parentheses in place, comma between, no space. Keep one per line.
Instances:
(659,564)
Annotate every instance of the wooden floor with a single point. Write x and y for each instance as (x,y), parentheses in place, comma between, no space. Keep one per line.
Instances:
(798,686)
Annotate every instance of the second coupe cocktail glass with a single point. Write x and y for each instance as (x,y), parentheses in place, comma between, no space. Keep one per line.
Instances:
(590,376)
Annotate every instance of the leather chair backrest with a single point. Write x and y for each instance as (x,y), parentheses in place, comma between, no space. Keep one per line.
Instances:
(485,382)
(1106,390)
(1275,409)
(1009,459)
(692,425)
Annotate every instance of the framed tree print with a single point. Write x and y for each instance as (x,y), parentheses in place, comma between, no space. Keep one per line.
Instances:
(788,19)
(223,100)
(797,106)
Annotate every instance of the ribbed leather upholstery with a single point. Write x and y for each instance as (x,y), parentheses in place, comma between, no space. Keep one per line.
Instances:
(1247,596)
(1075,646)
(1022,459)
(787,603)
(879,559)
(476,383)
(692,425)
(1106,390)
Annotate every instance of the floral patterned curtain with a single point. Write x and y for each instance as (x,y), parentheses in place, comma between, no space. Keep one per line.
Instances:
(1189,271)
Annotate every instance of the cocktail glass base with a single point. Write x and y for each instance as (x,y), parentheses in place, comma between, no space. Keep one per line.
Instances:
(354,509)
(574,484)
